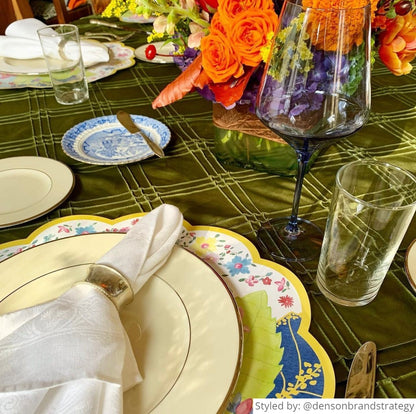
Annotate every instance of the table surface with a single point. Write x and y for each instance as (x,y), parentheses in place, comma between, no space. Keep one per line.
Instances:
(32,123)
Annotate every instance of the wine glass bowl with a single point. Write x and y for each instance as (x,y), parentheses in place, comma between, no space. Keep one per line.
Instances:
(315,90)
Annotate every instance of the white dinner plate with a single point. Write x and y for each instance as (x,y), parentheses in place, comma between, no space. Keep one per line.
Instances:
(105,141)
(136,18)
(23,66)
(36,66)
(410,264)
(31,187)
(121,57)
(161,47)
(183,325)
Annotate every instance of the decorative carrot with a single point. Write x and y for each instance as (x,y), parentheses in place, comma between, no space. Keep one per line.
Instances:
(183,84)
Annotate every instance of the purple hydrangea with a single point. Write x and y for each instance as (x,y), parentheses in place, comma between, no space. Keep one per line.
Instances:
(183,61)
(309,90)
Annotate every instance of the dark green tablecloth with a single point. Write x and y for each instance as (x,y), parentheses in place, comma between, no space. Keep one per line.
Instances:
(190,177)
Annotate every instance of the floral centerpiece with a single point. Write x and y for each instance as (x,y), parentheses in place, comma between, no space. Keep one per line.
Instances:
(221,47)
(219,44)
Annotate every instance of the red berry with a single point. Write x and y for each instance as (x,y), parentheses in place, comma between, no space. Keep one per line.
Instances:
(403,7)
(150,52)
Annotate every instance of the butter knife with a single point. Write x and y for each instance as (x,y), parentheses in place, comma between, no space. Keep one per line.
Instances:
(126,120)
(362,375)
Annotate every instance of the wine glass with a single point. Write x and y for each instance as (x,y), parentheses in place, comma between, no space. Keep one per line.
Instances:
(315,90)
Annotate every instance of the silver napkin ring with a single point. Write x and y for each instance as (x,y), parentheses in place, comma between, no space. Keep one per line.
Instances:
(110,282)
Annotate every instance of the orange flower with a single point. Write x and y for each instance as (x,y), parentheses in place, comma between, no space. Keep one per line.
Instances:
(229,9)
(398,44)
(230,92)
(327,19)
(219,59)
(340,4)
(379,20)
(248,34)
(239,31)
(216,24)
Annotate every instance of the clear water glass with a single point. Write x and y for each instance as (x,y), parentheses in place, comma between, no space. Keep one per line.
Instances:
(372,206)
(62,53)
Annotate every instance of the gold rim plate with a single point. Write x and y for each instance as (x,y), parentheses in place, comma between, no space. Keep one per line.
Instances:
(34,186)
(183,324)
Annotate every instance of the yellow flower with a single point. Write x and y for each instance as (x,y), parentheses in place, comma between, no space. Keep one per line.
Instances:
(204,245)
(117,8)
(154,36)
(266,49)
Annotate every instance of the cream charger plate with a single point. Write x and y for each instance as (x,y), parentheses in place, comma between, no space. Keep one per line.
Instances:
(36,66)
(184,325)
(23,66)
(31,187)
(121,57)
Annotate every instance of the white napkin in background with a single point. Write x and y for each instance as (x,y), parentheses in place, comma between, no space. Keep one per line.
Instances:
(21,41)
(72,355)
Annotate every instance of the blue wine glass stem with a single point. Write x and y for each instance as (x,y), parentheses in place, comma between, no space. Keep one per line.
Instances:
(303,158)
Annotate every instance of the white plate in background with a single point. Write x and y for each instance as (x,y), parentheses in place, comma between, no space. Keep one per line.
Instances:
(31,187)
(161,47)
(130,17)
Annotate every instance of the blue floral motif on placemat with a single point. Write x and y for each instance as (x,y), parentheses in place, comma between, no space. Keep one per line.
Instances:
(301,375)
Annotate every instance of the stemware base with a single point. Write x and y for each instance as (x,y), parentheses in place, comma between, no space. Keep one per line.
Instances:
(277,242)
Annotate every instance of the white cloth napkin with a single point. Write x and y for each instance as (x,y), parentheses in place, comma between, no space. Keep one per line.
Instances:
(21,41)
(72,355)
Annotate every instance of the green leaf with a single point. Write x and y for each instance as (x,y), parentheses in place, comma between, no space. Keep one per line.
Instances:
(391,13)
(262,347)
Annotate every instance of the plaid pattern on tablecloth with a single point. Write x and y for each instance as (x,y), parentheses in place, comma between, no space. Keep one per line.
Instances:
(190,177)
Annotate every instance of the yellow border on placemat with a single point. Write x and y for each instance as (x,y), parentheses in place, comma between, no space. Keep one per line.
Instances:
(329,375)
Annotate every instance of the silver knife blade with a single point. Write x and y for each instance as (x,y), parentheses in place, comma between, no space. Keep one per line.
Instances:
(126,120)
(362,375)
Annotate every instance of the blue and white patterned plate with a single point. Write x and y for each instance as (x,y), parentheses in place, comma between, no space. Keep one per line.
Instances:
(105,141)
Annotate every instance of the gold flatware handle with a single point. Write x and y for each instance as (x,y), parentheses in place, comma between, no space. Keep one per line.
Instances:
(362,375)
(126,120)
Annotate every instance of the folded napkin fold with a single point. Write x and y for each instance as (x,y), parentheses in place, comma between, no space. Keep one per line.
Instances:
(21,41)
(72,355)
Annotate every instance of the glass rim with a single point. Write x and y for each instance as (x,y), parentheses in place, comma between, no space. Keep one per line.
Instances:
(339,9)
(54,26)
(375,163)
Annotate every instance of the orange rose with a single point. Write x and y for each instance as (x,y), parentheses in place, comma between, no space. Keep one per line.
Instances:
(398,44)
(216,24)
(229,9)
(219,60)
(339,4)
(249,32)
(325,19)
